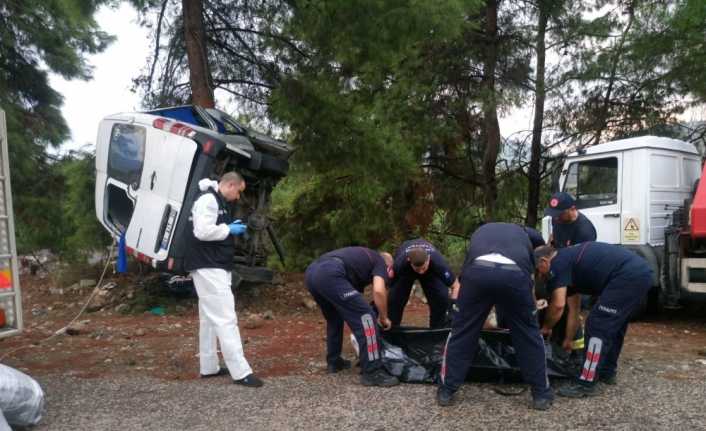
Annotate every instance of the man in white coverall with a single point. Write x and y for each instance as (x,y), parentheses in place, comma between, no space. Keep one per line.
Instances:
(209,259)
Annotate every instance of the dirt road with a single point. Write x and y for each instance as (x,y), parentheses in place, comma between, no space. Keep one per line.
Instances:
(140,372)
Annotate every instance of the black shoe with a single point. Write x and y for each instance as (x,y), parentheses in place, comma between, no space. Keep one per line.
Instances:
(251,381)
(578,390)
(339,364)
(379,377)
(221,372)
(542,403)
(444,396)
(610,379)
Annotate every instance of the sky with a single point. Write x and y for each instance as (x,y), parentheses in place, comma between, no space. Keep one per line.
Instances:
(87,102)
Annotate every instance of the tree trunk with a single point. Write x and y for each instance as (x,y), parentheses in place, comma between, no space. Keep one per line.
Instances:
(604,113)
(195,40)
(490,115)
(536,149)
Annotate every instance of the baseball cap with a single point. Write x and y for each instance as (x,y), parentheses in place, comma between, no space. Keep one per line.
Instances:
(559,203)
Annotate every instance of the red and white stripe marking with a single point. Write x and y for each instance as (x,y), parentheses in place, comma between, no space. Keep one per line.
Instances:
(593,355)
(370,337)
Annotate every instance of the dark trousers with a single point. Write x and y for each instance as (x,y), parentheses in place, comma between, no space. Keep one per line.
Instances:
(340,302)
(607,323)
(510,290)
(436,292)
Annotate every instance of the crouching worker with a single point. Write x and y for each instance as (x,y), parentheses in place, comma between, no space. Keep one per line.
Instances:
(209,259)
(497,271)
(620,279)
(336,280)
(418,260)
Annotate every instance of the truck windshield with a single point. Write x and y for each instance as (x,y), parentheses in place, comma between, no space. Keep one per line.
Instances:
(593,183)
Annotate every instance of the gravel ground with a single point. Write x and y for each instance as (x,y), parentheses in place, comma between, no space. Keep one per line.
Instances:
(651,395)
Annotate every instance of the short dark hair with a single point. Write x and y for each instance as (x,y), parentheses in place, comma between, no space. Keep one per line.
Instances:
(418,256)
(231,177)
(543,251)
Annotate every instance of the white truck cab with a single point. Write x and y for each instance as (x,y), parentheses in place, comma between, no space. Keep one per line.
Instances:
(630,188)
(148,165)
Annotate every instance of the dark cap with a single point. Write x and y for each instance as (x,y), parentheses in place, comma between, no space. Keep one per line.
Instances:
(559,203)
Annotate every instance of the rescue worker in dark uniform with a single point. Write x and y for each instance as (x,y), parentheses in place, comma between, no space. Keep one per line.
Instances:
(417,259)
(497,271)
(336,280)
(534,236)
(569,226)
(620,279)
(537,241)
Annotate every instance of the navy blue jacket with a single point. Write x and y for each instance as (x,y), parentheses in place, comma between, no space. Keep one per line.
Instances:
(437,264)
(566,234)
(587,268)
(507,239)
(361,264)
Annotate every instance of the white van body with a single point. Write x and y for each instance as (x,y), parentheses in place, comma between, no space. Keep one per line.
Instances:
(148,165)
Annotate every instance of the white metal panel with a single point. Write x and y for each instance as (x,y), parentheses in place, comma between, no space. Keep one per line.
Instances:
(671,180)
(10,293)
(634,223)
(641,142)
(163,183)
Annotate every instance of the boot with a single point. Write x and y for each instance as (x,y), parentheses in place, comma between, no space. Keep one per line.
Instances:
(251,381)
(608,379)
(339,364)
(542,403)
(379,377)
(444,396)
(221,372)
(578,390)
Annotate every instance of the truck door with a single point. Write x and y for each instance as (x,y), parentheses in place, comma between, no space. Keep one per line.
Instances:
(160,192)
(596,184)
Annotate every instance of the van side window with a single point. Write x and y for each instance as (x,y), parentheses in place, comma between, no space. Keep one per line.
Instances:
(119,208)
(593,183)
(127,153)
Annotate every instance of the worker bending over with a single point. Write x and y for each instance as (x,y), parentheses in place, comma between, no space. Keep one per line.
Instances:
(418,260)
(620,279)
(336,280)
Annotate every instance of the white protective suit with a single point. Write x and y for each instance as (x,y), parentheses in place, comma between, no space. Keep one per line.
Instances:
(217,318)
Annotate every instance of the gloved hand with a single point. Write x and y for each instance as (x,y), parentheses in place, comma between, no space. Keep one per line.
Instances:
(237,228)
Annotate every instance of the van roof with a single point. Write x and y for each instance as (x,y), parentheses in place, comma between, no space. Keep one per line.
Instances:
(656,142)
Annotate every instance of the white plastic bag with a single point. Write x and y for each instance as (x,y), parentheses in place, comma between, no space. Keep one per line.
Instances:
(21,398)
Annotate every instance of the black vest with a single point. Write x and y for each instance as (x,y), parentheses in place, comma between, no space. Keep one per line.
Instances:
(210,254)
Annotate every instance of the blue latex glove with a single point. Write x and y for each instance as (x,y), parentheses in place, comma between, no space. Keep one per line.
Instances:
(237,228)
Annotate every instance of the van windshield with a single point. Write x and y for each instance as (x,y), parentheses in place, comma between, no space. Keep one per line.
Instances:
(127,153)
(593,183)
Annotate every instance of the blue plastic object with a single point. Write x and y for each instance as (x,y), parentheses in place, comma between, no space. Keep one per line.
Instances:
(122,255)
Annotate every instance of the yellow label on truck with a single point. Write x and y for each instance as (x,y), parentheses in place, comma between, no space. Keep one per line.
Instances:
(631,230)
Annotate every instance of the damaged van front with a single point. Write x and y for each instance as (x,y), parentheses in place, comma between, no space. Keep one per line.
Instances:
(148,165)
